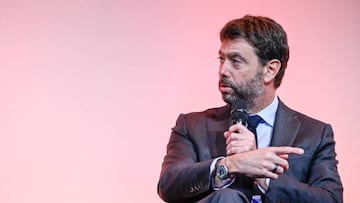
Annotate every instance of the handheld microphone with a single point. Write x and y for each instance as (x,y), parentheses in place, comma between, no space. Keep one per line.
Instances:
(238,112)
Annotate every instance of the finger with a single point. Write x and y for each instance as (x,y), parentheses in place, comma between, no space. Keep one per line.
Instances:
(226,134)
(284,164)
(287,150)
(237,149)
(231,151)
(238,128)
(242,143)
(274,170)
(234,128)
(277,169)
(229,140)
(231,137)
(274,167)
(246,144)
(237,137)
(284,156)
(269,174)
(275,159)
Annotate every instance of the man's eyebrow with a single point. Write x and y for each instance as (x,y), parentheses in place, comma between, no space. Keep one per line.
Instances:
(232,55)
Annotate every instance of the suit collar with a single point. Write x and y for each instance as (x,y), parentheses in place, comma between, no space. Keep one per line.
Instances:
(217,122)
(286,126)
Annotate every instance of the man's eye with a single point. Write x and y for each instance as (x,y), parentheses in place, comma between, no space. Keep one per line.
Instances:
(221,59)
(236,61)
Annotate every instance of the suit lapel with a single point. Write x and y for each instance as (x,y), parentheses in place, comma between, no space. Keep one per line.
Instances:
(217,123)
(286,126)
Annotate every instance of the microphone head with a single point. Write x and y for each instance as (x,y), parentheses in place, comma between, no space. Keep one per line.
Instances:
(238,112)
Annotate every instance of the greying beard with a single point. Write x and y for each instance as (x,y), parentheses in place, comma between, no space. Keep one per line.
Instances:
(249,91)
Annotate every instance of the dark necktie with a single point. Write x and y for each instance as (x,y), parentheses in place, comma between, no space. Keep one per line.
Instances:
(253,122)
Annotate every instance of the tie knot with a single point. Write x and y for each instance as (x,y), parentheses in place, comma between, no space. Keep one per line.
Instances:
(253,121)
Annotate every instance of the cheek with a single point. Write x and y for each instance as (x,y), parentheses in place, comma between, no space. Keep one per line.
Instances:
(238,80)
(241,78)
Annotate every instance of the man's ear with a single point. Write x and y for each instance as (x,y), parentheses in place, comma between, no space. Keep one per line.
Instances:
(271,69)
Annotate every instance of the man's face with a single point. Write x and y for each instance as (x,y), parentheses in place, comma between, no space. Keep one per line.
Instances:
(240,72)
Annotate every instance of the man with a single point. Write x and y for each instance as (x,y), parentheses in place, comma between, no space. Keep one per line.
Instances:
(290,159)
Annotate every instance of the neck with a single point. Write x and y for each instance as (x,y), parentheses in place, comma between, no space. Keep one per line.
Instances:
(261,102)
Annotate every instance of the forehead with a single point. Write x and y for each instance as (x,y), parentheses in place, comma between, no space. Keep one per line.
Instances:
(237,46)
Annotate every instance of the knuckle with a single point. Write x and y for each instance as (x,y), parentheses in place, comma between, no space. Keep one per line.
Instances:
(267,155)
(263,172)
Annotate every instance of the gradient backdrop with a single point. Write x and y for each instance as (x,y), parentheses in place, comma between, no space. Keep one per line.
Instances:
(90,89)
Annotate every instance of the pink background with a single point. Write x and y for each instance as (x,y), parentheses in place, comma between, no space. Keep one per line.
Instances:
(90,89)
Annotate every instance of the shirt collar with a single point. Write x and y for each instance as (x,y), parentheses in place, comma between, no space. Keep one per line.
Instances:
(269,112)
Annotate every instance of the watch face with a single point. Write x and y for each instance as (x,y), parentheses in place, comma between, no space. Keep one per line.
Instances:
(222,172)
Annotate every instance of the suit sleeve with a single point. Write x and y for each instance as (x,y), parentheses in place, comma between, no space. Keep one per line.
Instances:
(183,177)
(313,178)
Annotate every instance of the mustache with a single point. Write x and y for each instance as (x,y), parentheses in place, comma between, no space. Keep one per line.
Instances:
(239,93)
(226,82)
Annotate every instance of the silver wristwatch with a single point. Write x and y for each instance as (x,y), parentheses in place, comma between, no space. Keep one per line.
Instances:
(221,171)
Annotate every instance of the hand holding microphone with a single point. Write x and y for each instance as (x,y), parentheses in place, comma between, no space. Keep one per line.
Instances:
(238,137)
(244,157)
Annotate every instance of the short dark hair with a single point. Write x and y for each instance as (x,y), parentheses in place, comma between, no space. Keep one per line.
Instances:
(265,35)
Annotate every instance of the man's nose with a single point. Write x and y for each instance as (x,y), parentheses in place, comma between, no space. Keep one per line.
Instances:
(224,69)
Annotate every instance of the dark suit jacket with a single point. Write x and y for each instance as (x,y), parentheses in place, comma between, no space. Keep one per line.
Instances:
(198,138)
